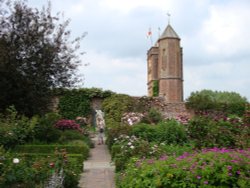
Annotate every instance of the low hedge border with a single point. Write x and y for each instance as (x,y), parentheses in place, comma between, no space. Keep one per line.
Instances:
(50,149)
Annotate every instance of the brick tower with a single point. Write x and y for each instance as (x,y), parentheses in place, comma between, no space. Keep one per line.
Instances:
(165,72)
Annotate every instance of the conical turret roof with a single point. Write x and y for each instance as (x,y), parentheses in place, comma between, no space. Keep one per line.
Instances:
(169,33)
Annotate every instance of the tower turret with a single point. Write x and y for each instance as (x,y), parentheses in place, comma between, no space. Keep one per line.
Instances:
(169,76)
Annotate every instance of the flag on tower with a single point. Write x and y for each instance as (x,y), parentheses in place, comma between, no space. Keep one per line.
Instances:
(149,34)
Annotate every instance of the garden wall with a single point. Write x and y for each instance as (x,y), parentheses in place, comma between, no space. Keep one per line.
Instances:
(168,110)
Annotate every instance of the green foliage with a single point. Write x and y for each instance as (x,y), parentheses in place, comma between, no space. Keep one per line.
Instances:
(74,103)
(16,129)
(82,149)
(37,170)
(171,132)
(206,132)
(116,105)
(45,130)
(142,104)
(156,88)
(247,114)
(38,55)
(228,102)
(146,131)
(153,116)
(209,168)
(90,92)
(115,131)
(126,147)
(70,135)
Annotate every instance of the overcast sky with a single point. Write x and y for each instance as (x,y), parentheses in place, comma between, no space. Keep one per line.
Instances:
(215,36)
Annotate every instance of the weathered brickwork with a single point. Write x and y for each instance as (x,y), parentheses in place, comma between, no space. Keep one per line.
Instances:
(165,66)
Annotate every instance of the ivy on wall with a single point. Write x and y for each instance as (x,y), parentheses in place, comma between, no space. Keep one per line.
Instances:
(155,88)
(77,102)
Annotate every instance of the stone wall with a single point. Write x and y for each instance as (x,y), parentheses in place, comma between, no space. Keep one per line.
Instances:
(168,110)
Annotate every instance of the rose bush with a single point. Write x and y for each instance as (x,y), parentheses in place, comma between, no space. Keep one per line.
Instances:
(64,124)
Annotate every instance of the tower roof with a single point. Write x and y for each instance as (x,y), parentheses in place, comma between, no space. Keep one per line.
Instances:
(169,33)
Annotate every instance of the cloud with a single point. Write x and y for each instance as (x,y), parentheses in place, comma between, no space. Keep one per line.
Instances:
(214,36)
(221,76)
(127,75)
(227,29)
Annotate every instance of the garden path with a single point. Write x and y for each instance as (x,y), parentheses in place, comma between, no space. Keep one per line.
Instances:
(98,170)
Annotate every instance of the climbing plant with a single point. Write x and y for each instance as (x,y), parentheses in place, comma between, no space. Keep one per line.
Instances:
(155,88)
(77,102)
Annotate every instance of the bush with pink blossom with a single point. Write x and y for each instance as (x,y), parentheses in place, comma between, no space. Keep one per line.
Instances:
(65,124)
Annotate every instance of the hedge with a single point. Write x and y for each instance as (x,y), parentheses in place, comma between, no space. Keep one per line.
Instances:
(50,149)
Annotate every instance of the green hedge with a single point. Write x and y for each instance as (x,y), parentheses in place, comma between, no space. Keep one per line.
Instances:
(50,149)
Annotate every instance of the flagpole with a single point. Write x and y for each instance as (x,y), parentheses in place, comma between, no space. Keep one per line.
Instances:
(149,35)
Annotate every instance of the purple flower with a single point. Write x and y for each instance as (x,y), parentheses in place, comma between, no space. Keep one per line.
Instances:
(150,161)
(198,177)
(206,182)
(163,158)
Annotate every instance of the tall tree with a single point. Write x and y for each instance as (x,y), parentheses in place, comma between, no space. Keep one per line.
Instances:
(36,55)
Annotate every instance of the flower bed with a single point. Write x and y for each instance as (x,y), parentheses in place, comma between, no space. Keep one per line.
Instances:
(22,170)
(207,168)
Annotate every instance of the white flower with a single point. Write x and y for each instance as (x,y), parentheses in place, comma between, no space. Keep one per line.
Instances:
(132,147)
(129,143)
(16,160)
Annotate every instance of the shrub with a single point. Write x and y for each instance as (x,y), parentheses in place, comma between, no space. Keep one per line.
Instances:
(45,130)
(145,131)
(114,132)
(208,168)
(228,102)
(126,147)
(69,135)
(247,114)
(19,170)
(116,105)
(152,117)
(16,129)
(65,124)
(218,131)
(171,132)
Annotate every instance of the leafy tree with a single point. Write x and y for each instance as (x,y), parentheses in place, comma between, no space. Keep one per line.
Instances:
(36,55)
(228,102)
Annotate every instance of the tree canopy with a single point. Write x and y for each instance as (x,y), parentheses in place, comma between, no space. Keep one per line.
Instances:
(36,55)
(227,102)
